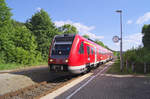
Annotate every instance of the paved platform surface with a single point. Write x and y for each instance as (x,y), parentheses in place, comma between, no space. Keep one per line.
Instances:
(110,87)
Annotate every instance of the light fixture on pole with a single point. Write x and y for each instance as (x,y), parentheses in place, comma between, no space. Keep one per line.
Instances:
(121,58)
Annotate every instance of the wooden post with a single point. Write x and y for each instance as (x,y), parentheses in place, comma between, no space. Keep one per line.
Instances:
(133,68)
(144,67)
(127,65)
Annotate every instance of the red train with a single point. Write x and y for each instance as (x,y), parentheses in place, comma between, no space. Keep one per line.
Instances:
(75,54)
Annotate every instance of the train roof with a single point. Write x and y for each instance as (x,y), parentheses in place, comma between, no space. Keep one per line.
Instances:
(88,40)
(65,35)
(92,42)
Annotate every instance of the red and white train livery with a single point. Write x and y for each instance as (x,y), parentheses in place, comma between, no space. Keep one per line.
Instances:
(75,54)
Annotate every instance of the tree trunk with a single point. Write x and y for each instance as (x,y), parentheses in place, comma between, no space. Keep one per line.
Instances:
(144,67)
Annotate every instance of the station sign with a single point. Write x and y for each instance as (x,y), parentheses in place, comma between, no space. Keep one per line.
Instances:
(115,39)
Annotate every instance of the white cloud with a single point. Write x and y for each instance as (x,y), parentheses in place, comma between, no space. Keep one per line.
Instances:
(129,22)
(93,36)
(38,9)
(129,41)
(133,40)
(144,18)
(83,29)
(118,44)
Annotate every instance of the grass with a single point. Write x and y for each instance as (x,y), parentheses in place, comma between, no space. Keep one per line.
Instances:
(148,75)
(115,69)
(11,66)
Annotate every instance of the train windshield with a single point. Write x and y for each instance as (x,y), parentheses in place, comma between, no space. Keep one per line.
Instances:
(61,49)
(62,45)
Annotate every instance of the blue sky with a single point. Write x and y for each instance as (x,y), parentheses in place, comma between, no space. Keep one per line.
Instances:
(96,18)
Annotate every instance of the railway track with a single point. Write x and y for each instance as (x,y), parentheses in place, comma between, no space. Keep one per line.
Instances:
(41,89)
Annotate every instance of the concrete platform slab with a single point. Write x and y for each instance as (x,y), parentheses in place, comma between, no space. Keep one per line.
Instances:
(13,82)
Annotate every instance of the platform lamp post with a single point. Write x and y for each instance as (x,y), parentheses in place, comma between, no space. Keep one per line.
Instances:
(121,58)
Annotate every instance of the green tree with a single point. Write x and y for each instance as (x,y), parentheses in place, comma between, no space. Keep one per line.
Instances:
(102,44)
(5,30)
(146,36)
(68,29)
(99,42)
(5,13)
(19,45)
(6,42)
(86,36)
(44,30)
(22,37)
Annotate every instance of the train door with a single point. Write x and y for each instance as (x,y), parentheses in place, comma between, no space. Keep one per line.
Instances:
(95,55)
(88,54)
(81,53)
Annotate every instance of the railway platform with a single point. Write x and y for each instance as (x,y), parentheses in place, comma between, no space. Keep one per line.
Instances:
(108,86)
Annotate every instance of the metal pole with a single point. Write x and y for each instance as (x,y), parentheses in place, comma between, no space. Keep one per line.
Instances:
(121,58)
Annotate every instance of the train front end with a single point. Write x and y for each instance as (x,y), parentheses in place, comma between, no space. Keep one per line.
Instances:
(59,52)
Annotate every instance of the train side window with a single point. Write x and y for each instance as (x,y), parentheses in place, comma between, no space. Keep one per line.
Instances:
(88,50)
(81,49)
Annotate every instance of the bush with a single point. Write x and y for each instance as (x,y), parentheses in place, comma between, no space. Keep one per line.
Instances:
(137,57)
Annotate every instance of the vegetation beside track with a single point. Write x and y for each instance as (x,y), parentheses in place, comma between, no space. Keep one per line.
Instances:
(27,43)
(115,69)
(136,60)
(12,66)
(138,69)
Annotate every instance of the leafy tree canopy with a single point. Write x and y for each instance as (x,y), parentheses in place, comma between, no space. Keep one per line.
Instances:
(5,13)
(146,37)
(86,36)
(43,29)
(99,42)
(68,29)
(17,44)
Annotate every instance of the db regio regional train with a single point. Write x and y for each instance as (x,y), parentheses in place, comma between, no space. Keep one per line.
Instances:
(76,54)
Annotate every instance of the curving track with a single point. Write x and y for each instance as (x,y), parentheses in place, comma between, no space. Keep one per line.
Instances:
(45,83)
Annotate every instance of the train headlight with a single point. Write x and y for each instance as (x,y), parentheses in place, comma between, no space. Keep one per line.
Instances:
(51,60)
(66,60)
